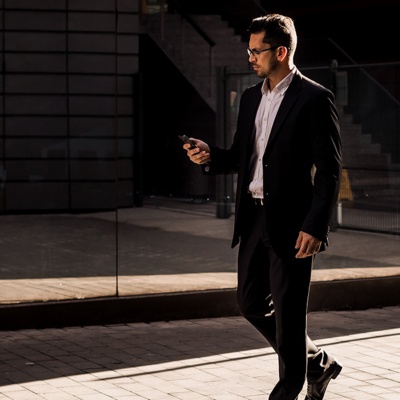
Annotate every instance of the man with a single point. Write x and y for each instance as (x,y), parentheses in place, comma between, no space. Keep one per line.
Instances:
(287,153)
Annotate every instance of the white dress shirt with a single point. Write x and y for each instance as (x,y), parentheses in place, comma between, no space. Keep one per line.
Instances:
(266,113)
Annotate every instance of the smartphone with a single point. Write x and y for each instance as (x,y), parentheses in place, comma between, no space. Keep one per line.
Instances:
(185,139)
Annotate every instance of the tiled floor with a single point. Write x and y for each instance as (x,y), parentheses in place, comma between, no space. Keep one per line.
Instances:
(198,359)
(60,257)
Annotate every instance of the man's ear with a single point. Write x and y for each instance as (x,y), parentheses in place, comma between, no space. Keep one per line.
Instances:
(282,52)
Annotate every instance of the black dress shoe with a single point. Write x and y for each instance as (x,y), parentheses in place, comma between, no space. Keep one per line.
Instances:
(316,388)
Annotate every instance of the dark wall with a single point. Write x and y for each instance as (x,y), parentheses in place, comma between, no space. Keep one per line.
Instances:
(365,29)
(66,66)
(171,106)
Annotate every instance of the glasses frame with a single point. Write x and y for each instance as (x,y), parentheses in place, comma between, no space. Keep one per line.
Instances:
(256,53)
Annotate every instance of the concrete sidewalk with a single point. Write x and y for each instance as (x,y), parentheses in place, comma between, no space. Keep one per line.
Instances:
(166,257)
(194,359)
(186,258)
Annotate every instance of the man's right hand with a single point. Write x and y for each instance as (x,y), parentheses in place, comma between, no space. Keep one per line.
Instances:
(200,154)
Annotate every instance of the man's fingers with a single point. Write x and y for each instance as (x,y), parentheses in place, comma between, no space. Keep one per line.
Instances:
(307,245)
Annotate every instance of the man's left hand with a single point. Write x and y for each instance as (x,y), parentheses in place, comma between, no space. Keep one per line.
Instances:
(308,245)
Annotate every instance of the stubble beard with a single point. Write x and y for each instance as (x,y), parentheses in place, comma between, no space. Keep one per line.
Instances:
(269,69)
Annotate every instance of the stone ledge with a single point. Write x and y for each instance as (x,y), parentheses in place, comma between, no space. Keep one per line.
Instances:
(381,291)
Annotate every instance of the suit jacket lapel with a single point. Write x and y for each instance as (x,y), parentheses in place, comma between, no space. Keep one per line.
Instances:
(289,99)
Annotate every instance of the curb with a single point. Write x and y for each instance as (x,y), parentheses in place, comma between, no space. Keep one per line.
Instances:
(324,296)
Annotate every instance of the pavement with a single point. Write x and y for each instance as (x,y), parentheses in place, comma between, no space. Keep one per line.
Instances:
(174,252)
(194,359)
(162,248)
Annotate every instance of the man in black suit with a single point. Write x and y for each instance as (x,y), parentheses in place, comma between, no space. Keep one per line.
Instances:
(287,153)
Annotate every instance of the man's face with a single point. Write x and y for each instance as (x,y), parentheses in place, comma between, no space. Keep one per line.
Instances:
(264,63)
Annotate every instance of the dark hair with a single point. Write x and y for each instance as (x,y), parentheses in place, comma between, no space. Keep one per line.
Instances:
(279,30)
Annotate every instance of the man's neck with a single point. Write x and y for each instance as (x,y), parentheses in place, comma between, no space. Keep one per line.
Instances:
(276,78)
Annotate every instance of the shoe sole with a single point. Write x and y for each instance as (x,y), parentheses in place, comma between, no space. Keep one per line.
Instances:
(338,370)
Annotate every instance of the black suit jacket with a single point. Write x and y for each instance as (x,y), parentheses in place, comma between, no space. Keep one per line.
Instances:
(305,133)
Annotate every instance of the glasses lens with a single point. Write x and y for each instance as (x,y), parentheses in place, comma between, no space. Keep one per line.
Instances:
(249,52)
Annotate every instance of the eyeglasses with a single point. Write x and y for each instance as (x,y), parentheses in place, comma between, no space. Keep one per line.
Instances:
(256,53)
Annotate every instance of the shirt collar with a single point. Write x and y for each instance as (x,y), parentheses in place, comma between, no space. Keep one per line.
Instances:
(282,86)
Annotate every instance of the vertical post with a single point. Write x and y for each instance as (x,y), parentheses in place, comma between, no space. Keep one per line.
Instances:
(138,142)
(162,19)
(224,182)
(210,70)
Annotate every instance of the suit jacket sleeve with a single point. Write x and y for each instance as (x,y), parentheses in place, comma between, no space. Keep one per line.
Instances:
(326,153)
